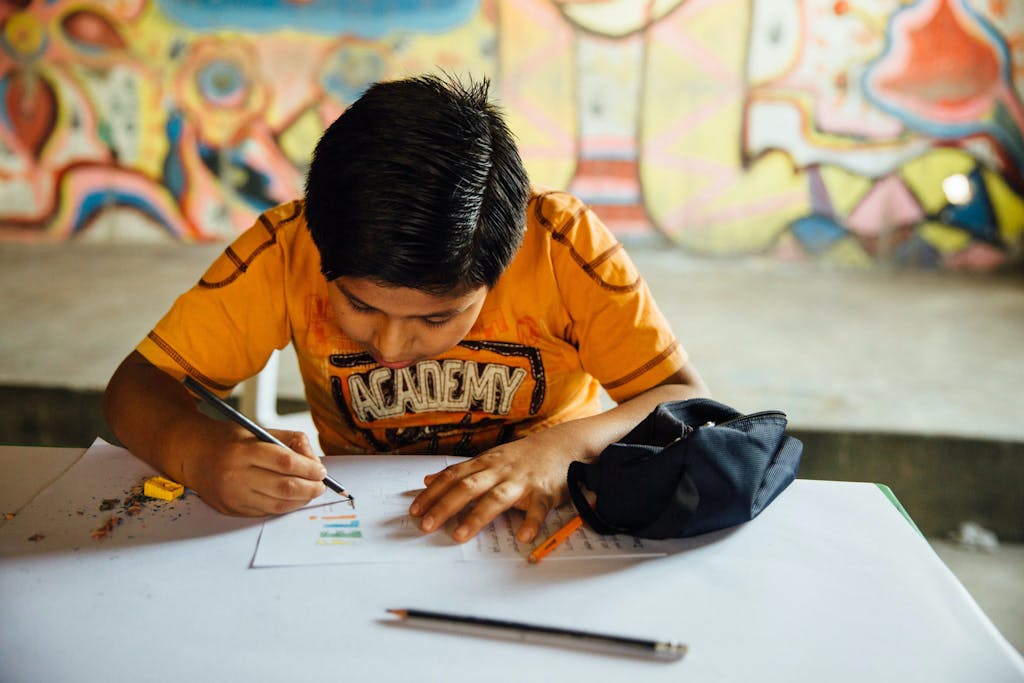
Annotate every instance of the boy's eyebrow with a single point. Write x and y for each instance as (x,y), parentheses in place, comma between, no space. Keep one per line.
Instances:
(445,313)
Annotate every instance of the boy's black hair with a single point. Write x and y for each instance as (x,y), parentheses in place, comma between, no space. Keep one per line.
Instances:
(418,184)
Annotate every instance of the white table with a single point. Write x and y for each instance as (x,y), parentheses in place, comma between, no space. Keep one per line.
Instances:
(830,583)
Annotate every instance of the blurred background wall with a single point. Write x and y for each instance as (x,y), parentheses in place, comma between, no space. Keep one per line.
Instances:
(855,133)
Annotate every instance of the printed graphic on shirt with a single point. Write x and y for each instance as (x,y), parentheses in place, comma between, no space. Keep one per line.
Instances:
(466,401)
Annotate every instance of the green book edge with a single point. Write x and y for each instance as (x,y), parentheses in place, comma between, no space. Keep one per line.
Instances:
(899,506)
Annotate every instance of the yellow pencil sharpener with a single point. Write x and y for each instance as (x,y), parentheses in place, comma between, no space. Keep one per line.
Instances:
(160,487)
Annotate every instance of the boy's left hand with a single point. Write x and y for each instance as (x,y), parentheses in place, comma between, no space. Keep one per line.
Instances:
(527,474)
(530,473)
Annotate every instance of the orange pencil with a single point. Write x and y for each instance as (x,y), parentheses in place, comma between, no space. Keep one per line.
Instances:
(541,551)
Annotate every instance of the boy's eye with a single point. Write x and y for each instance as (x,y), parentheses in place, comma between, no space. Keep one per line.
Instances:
(436,322)
(359,307)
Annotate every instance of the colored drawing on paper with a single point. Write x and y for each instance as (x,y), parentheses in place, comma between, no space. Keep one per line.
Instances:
(377,528)
(338,529)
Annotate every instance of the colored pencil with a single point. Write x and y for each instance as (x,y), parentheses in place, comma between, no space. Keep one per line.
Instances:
(556,539)
(543,635)
(263,435)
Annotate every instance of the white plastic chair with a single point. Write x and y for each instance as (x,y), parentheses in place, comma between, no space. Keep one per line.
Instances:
(258,400)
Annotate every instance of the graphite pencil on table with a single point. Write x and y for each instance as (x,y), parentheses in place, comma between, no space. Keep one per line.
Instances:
(544,635)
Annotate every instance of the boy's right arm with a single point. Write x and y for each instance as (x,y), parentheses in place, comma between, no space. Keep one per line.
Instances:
(158,420)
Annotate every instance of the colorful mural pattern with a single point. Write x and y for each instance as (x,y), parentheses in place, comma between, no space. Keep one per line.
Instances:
(797,129)
(904,96)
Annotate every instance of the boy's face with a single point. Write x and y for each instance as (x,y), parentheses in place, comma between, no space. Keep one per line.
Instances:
(399,326)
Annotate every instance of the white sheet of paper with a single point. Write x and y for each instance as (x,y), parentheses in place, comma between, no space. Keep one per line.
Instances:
(378,527)
(98,503)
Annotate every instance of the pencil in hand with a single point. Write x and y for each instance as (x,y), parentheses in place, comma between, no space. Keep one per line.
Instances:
(225,409)
(556,539)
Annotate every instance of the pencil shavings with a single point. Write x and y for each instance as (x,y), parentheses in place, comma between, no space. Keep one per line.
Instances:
(101,532)
(162,488)
(136,501)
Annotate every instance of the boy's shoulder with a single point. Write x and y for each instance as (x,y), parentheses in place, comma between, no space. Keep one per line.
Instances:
(566,219)
(287,212)
(282,223)
(271,225)
(282,227)
(563,228)
(561,218)
(553,210)
(289,216)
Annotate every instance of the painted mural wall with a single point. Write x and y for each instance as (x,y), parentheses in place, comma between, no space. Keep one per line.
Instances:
(860,132)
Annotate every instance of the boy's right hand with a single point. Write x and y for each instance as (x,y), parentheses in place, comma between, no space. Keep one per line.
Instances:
(158,420)
(241,475)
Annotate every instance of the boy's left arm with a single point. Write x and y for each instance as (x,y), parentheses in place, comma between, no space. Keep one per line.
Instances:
(529,474)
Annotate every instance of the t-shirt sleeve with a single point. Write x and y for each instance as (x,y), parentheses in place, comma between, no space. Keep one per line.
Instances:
(223,330)
(623,338)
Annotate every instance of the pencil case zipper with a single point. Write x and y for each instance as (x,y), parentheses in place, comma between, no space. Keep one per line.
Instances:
(688,430)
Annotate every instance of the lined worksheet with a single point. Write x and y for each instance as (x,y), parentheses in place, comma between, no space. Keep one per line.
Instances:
(377,527)
(497,541)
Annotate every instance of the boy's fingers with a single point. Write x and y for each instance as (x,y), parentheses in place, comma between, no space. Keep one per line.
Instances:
(456,496)
(278,492)
(297,441)
(266,493)
(283,461)
(535,515)
(496,501)
(438,485)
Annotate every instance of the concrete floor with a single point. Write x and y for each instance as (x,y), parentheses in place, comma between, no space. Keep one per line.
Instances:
(905,353)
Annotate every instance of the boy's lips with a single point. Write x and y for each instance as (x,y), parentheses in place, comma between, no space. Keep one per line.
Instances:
(394,365)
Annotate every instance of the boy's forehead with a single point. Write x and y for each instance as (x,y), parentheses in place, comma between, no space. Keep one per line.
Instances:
(406,301)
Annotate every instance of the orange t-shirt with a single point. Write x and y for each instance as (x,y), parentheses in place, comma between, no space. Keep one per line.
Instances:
(570,313)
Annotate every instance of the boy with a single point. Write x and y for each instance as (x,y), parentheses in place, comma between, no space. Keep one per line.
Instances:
(436,304)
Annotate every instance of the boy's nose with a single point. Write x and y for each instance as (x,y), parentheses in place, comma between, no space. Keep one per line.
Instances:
(392,341)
